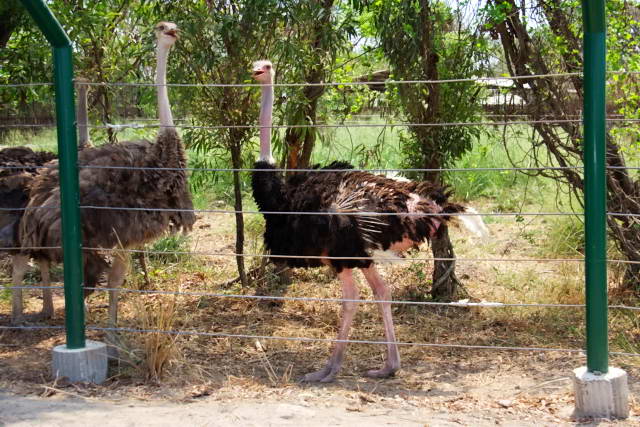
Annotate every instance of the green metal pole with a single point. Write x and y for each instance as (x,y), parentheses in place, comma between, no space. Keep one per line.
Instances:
(68,154)
(595,194)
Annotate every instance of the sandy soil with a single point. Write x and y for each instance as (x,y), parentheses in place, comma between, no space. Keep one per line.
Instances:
(68,411)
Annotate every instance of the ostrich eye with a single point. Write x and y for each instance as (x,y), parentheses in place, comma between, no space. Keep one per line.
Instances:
(161,27)
(268,67)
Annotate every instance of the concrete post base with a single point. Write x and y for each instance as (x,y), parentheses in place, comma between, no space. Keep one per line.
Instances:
(88,364)
(601,396)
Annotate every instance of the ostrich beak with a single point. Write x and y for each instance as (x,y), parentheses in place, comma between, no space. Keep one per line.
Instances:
(172,32)
(257,72)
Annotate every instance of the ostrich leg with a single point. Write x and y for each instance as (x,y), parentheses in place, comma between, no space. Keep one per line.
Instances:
(381,293)
(47,297)
(115,280)
(19,264)
(350,292)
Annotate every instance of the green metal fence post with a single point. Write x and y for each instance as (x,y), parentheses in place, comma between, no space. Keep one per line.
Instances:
(68,154)
(595,185)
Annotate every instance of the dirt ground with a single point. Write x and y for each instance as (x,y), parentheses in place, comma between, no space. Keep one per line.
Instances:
(300,410)
(441,388)
(32,411)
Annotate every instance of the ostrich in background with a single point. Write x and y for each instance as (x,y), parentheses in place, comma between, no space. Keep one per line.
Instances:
(14,191)
(18,168)
(364,236)
(108,229)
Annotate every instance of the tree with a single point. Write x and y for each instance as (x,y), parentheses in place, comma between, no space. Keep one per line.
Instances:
(546,38)
(316,32)
(220,40)
(426,40)
(112,42)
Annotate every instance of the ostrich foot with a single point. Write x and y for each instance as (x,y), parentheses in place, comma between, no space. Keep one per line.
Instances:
(386,372)
(324,375)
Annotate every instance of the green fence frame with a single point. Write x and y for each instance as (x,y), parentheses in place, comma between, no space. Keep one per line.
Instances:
(595,193)
(68,153)
(594,162)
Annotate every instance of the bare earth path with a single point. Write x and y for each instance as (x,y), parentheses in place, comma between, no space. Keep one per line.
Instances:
(28,411)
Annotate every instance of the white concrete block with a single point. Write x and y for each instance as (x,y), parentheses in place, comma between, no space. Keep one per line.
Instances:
(601,395)
(88,364)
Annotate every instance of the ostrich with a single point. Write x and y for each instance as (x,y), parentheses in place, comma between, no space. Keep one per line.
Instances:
(102,186)
(14,190)
(18,168)
(322,237)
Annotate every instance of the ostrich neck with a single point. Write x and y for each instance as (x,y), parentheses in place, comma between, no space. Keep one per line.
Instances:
(83,117)
(266,111)
(164,109)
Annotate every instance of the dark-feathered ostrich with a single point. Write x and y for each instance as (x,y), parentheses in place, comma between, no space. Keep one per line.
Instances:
(343,234)
(102,186)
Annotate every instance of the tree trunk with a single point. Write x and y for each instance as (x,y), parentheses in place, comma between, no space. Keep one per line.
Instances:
(445,282)
(236,160)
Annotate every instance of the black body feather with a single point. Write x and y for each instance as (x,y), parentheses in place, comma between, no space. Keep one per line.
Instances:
(343,194)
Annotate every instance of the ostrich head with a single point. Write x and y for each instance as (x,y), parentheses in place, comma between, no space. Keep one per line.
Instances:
(263,72)
(166,34)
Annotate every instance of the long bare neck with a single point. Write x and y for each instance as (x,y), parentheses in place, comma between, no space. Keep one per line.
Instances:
(164,109)
(82,117)
(266,112)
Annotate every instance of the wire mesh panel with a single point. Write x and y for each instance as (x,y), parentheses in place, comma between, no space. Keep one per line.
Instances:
(522,273)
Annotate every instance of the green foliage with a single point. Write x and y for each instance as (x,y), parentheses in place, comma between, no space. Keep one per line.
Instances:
(421,41)
(163,251)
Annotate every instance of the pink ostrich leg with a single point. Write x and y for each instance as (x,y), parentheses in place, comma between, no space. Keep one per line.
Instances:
(381,293)
(349,292)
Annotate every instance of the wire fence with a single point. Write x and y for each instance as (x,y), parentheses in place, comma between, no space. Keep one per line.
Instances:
(500,120)
(326,125)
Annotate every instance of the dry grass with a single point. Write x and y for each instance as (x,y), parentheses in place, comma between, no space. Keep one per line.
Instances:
(160,349)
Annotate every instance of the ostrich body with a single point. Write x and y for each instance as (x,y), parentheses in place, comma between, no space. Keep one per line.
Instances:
(104,187)
(320,237)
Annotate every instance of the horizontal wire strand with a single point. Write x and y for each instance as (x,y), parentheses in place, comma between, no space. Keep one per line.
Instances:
(327,170)
(325,126)
(468,79)
(325,340)
(333,340)
(462,303)
(32,248)
(232,254)
(324,213)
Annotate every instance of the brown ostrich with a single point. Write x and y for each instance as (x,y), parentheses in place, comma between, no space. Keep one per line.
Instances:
(15,184)
(101,186)
(342,194)
(18,168)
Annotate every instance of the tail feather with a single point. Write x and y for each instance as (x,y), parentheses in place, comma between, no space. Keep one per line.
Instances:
(474,222)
